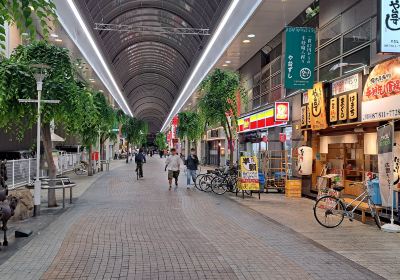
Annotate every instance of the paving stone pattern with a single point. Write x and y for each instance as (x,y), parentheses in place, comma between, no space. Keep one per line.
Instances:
(124,229)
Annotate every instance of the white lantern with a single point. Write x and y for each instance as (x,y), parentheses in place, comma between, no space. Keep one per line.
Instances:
(304,161)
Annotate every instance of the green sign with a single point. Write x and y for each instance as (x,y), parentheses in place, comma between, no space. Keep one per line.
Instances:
(299,57)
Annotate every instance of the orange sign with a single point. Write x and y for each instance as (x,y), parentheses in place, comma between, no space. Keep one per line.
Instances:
(282,111)
(333,110)
(317,107)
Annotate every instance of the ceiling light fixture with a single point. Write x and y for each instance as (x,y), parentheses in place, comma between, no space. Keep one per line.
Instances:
(228,61)
(251,35)
(246,41)
(221,26)
(99,55)
(58,40)
(224,65)
(54,35)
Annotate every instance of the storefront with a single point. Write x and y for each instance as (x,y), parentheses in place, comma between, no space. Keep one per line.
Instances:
(215,147)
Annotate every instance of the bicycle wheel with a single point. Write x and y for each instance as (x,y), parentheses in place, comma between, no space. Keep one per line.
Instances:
(205,183)
(197,181)
(219,185)
(329,211)
(78,170)
(374,213)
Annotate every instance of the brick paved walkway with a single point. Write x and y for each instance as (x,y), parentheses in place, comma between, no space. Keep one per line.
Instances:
(122,229)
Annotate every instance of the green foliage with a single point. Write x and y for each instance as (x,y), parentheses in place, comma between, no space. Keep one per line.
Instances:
(20,13)
(161,141)
(134,130)
(220,98)
(17,81)
(191,125)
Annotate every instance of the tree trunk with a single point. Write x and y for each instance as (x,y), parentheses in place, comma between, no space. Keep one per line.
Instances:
(230,142)
(102,157)
(127,152)
(90,163)
(48,152)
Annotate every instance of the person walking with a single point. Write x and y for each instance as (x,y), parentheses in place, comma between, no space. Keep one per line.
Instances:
(173,163)
(140,159)
(192,163)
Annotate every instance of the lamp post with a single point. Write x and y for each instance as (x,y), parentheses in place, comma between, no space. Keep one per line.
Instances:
(40,74)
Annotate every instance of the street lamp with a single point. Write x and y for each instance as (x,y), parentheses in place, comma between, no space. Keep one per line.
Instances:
(40,74)
(345,64)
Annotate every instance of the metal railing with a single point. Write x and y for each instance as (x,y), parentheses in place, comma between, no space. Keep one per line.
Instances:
(22,172)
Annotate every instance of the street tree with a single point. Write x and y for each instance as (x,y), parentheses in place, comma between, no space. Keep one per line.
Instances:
(161,141)
(191,125)
(135,131)
(219,103)
(22,14)
(17,82)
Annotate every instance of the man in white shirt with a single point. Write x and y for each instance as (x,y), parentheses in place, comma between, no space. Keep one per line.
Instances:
(173,163)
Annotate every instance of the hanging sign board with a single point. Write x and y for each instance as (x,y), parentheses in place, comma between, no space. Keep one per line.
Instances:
(388,39)
(299,57)
(381,95)
(282,137)
(353,104)
(248,179)
(343,108)
(281,111)
(385,137)
(317,107)
(333,110)
(345,85)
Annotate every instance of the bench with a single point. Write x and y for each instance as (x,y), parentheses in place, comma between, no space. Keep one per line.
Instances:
(363,207)
(60,183)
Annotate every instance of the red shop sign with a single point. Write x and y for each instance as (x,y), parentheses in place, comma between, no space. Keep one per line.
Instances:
(282,137)
(281,111)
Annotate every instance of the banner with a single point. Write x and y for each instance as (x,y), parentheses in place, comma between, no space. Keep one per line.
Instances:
(388,26)
(381,96)
(317,107)
(299,57)
(385,161)
(248,179)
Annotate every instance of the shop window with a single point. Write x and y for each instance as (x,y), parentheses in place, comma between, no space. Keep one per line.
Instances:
(330,31)
(356,60)
(329,52)
(264,99)
(276,66)
(256,102)
(357,37)
(276,81)
(275,95)
(265,86)
(256,91)
(256,79)
(266,73)
(358,13)
(325,73)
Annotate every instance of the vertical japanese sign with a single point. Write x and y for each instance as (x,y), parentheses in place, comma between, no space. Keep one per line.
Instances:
(388,40)
(248,179)
(353,104)
(385,161)
(343,108)
(281,111)
(299,57)
(333,110)
(304,116)
(317,108)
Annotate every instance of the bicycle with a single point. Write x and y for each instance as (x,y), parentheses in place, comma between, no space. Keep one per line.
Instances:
(330,210)
(139,170)
(81,168)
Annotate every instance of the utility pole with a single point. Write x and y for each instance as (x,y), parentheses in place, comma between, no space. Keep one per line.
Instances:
(40,74)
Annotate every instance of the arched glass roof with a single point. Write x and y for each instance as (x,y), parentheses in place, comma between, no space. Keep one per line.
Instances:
(151,65)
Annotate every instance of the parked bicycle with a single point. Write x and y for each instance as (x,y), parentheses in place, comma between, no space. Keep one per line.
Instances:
(81,168)
(330,209)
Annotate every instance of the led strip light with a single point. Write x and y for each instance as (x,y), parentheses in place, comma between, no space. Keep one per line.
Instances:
(203,57)
(99,55)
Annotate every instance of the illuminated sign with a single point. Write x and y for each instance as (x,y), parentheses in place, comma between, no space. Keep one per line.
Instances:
(282,111)
(381,95)
(388,39)
(316,107)
(345,85)
(260,120)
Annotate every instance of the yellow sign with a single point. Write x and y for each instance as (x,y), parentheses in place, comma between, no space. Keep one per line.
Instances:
(317,107)
(353,104)
(333,110)
(343,107)
(248,179)
(303,116)
(308,116)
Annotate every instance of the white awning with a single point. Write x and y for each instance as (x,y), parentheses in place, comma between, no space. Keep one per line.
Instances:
(56,138)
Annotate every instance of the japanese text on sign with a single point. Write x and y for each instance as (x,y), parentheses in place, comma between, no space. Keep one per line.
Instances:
(248,179)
